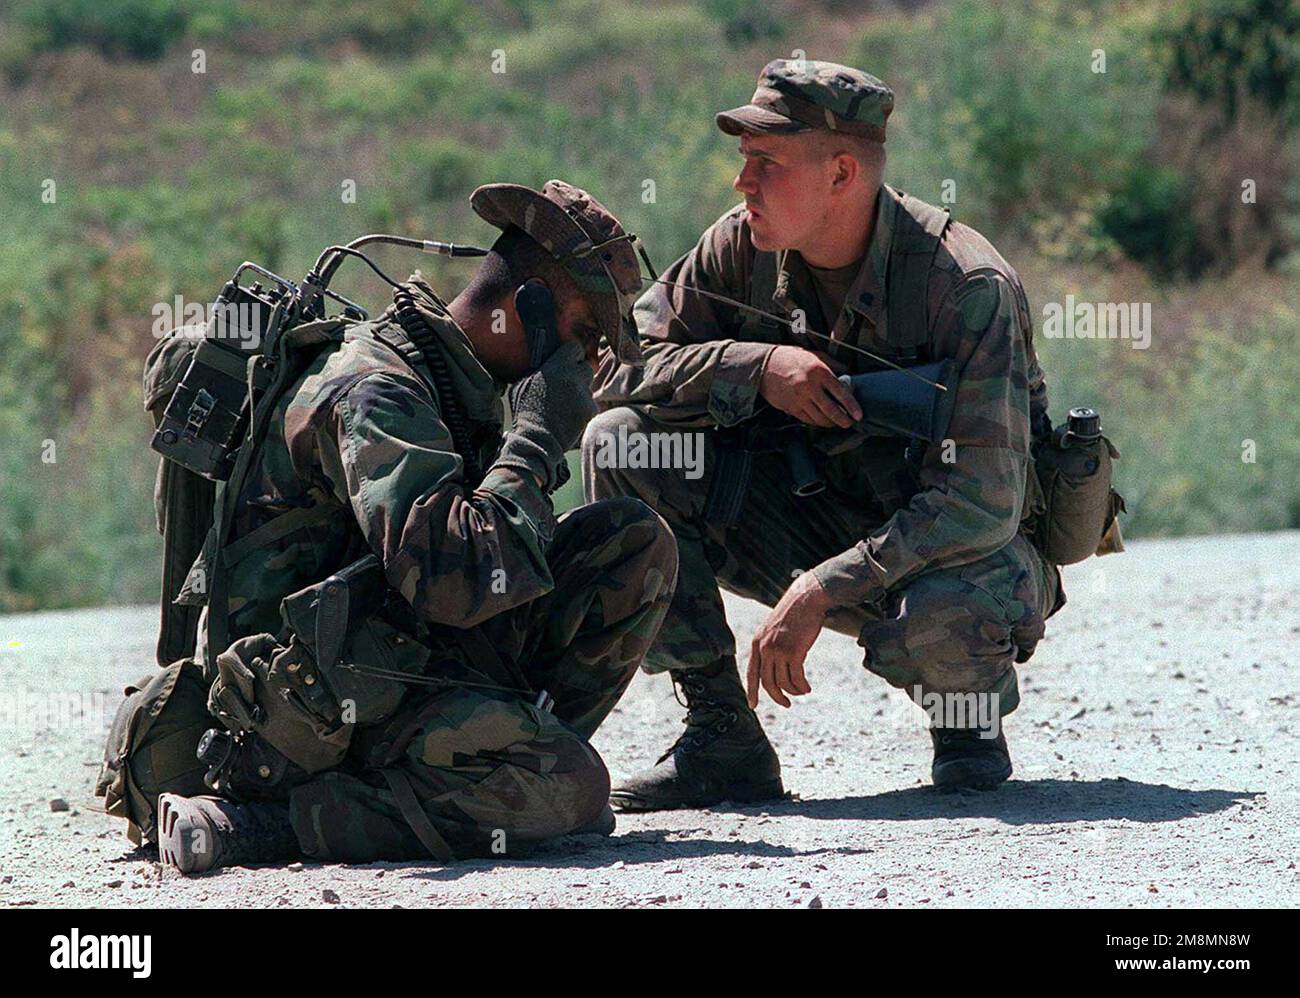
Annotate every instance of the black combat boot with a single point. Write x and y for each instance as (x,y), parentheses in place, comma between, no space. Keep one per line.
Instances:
(197,834)
(722,755)
(963,760)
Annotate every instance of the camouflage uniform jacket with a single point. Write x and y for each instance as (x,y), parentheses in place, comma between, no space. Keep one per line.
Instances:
(361,434)
(704,361)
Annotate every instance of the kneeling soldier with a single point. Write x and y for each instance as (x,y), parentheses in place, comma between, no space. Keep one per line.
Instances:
(402,651)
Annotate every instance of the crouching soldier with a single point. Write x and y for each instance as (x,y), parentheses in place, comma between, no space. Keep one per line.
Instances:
(401,651)
(920,548)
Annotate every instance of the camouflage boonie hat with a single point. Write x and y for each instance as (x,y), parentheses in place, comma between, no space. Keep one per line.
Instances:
(795,95)
(588,242)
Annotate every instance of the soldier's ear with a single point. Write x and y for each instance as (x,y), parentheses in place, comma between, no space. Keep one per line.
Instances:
(844,170)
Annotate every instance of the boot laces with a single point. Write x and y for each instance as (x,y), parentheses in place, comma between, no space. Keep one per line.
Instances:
(707,717)
(956,736)
(256,826)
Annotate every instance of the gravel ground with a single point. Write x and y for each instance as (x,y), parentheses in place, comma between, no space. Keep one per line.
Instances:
(1155,752)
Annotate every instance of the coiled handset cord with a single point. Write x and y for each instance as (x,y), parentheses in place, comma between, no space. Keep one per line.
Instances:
(417,329)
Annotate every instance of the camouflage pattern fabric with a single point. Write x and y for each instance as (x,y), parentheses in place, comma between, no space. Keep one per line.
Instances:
(362,435)
(704,361)
(586,238)
(522,600)
(493,774)
(889,521)
(945,630)
(795,95)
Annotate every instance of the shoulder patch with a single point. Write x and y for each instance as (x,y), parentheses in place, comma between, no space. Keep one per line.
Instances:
(977,299)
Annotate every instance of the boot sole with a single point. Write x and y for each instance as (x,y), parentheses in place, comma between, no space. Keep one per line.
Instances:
(176,838)
(752,794)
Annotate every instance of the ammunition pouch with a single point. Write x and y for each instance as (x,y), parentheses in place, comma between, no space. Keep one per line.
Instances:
(1077,515)
(151,747)
(338,663)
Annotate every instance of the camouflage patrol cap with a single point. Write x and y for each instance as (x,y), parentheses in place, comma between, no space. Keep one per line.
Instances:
(796,95)
(586,239)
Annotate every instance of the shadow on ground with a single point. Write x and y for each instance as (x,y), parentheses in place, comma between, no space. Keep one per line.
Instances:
(1028,802)
(634,849)
(1019,802)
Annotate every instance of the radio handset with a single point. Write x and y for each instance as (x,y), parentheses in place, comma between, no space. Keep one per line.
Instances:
(536,308)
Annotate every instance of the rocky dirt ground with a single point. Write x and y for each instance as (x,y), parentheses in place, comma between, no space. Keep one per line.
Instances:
(1156,756)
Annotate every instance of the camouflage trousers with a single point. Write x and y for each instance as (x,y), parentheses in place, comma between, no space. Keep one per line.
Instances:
(470,772)
(949,630)
(480,773)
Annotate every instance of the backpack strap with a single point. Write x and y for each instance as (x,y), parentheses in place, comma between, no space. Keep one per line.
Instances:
(404,796)
(919,231)
(185,503)
(733,466)
(276,529)
(762,286)
(294,351)
(391,335)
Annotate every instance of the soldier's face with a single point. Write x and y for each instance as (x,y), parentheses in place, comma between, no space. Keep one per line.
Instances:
(575,320)
(786,188)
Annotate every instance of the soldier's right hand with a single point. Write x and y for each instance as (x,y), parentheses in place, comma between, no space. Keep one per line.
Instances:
(551,407)
(801,382)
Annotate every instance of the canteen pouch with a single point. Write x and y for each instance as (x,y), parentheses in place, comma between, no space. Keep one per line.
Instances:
(299,692)
(1080,508)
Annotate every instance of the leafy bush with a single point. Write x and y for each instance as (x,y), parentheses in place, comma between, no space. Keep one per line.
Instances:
(1232,105)
(1225,51)
(389,28)
(133,29)
(442,169)
(745,22)
(1150,218)
(1019,126)
(402,27)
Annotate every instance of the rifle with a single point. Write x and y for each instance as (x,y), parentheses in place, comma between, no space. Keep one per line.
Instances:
(911,402)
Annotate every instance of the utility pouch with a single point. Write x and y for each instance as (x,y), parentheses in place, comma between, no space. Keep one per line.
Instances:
(338,664)
(1081,510)
(207,416)
(151,745)
(256,692)
(183,506)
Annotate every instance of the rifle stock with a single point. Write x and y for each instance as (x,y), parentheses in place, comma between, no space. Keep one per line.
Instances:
(901,403)
(914,402)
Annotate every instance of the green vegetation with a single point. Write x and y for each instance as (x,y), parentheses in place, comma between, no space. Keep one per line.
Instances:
(1229,52)
(137,29)
(1117,185)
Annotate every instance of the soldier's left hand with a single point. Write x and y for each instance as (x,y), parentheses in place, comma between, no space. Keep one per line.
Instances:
(781,644)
